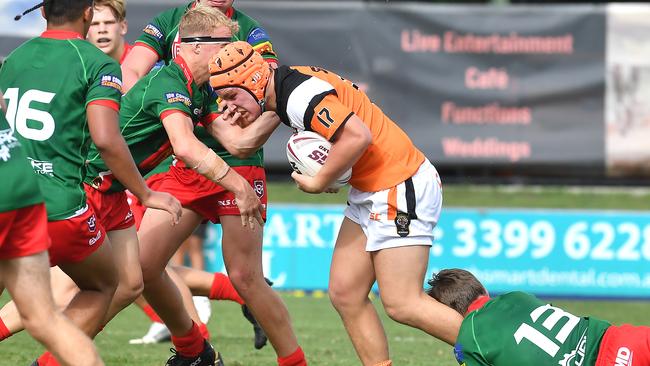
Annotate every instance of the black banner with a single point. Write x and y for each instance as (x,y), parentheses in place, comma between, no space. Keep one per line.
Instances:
(472,85)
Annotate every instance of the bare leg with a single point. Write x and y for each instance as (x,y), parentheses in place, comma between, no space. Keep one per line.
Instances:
(63,289)
(242,254)
(186,294)
(400,274)
(27,278)
(195,251)
(158,242)
(351,278)
(198,281)
(97,280)
(126,254)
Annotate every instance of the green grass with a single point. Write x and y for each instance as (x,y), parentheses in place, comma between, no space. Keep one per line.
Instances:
(318,327)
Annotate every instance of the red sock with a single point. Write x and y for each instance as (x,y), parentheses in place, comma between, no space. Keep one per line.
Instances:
(204,331)
(222,289)
(47,359)
(4,332)
(151,313)
(297,358)
(191,344)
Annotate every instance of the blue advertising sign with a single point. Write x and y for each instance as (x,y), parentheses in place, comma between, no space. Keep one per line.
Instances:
(546,252)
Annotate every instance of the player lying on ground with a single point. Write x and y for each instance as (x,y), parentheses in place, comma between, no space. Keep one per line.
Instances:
(24,262)
(519,329)
(394,202)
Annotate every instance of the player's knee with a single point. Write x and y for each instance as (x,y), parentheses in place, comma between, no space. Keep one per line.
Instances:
(129,290)
(243,279)
(399,309)
(341,296)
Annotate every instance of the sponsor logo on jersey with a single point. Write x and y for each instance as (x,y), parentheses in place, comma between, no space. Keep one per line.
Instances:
(198,111)
(111,81)
(175,97)
(128,215)
(42,167)
(577,356)
(92,223)
(152,30)
(624,357)
(256,35)
(7,142)
(176,45)
(258,185)
(94,240)
(458,353)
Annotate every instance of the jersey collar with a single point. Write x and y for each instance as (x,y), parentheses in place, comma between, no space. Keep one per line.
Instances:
(229,13)
(186,72)
(61,34)
(477,304)
(127,49)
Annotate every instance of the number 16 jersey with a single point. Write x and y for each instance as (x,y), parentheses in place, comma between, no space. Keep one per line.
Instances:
(48,82)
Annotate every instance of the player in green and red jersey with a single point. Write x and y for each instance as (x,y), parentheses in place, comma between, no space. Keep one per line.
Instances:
(206,201)
(24,264)
(519,329)
(176,96)
(76,106)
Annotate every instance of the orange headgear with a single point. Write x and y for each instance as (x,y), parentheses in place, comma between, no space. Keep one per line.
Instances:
(239,65)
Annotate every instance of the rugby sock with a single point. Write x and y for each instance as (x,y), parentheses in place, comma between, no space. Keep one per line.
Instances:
(190,344)
(222,289)
(204,331)
(385,363)
(4,331)
(297,358)
(151,313)
(47,359)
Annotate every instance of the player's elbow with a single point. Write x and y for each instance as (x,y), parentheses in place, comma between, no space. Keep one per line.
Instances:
(184,153)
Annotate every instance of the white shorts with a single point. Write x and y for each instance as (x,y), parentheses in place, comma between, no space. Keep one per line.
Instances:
(399,216)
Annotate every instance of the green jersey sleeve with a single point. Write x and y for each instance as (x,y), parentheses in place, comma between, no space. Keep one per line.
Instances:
(160,33)
(105,82)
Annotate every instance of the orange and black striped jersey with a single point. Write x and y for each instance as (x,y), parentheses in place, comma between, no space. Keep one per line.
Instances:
(313,99)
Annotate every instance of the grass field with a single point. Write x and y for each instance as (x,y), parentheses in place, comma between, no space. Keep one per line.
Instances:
(317,324)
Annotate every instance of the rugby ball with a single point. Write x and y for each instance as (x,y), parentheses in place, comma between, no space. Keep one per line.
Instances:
(307,152)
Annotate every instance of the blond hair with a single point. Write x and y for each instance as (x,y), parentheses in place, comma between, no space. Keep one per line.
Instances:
(118,7)
(202,19)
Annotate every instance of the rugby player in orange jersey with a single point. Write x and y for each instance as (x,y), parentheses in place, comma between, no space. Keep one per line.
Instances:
(394,201)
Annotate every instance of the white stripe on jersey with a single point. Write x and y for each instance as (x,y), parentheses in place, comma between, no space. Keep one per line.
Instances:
(299,99)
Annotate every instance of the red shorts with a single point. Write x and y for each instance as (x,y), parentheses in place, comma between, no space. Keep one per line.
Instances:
(76,238)
(625,345)
(137,208)
(112,208)
(207,198)
(23,232)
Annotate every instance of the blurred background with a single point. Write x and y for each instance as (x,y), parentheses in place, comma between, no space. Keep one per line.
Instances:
(536,115)
(509,99)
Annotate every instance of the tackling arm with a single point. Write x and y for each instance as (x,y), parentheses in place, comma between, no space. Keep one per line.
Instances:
(195,154)
(242,142)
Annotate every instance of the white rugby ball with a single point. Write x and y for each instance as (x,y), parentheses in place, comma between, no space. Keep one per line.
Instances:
(307,152)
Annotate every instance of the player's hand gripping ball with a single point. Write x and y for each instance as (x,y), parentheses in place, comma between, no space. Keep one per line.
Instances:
(307,152)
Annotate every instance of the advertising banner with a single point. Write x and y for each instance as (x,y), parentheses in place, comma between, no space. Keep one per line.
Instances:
(546,252)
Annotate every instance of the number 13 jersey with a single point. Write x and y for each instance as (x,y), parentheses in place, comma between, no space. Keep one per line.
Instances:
(519,329)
